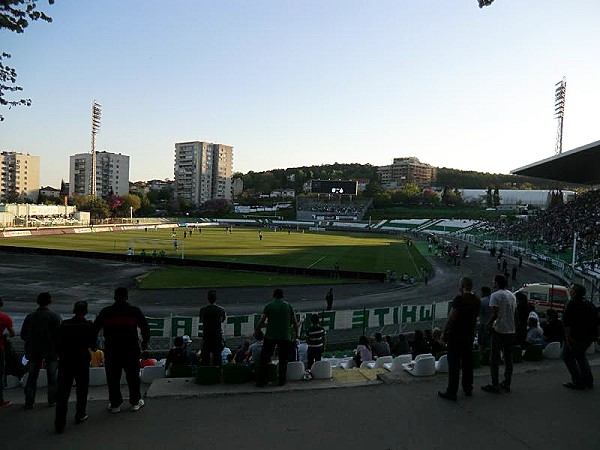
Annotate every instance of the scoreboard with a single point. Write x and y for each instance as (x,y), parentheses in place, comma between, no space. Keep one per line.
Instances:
(340,187)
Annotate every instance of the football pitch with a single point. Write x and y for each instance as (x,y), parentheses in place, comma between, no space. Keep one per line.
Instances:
(320,250)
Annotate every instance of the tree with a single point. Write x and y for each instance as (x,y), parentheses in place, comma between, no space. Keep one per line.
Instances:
(489,199)
(15,16)
(496,197)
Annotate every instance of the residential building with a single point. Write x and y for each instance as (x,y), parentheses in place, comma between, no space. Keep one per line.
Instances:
(19,176)
(238,186)
(112,174)
(407,170)
(203,171)
(50,192)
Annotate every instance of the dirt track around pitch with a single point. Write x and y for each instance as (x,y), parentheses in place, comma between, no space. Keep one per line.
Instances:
(72,279)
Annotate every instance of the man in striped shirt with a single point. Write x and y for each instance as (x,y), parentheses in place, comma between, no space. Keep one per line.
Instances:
(316,338)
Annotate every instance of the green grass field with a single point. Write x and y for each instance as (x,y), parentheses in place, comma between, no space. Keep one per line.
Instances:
(354,252)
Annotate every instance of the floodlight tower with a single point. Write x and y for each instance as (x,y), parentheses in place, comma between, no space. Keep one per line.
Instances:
(560,91)
(96,115)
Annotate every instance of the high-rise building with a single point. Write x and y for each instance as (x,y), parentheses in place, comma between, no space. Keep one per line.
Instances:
(19,176)
(407,170)
(203,171)
(112,174)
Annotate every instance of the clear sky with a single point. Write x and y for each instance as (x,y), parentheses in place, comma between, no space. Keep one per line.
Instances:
(302,82)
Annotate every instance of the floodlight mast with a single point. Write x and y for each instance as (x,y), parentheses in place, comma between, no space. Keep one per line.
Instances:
(560,92)
(96,116)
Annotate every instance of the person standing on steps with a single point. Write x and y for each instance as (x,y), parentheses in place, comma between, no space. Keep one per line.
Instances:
(211,318)
(120,323)
(6,323)
(76,336)
(40,333)
(502,328)
(279,317)
(459,333)
(581,329)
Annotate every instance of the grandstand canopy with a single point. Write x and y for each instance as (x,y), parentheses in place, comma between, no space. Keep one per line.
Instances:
(577,166)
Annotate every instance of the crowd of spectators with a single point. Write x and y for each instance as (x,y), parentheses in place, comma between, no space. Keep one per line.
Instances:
(334,207)
(555,226)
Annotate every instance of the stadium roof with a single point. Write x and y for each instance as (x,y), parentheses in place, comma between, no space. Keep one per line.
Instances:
(578,166)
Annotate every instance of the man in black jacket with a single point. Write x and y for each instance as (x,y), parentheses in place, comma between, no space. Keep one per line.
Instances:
(459,333)
(40,333)
(75,337)
(211,318)
(581,329)
(120,322)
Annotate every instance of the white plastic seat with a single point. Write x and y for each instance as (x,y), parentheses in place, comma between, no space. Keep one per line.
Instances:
(591,349)
(42,380)
(379,362)
(441,365)
(12,382)
(97,376)
(321,370)
(295,371)
(151,373)
(350,364)
(552,350)
(421,367)
(396,364)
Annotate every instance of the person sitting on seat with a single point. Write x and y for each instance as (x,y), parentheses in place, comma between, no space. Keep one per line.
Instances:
(554,331)
(363,351)
(242,353)
(191,354)
(97,358)
(437,346)
(177,355)
(419,346)
(256,347)
(535,334)
(146,361)
(380,347)
(401,346)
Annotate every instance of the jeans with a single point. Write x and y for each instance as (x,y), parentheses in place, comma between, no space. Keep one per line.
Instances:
(33,369)
(67,372)
(313,354)
(212,347)
(501,342)
(2,380)
(114,364)
(460,353)
(577,363)
(265,357)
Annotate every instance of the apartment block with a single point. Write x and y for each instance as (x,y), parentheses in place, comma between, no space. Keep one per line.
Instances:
(19,176)
(203,171)
(112,174)
(407,170)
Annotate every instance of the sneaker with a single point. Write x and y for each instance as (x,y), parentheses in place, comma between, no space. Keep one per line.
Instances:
(27,407)
(505,386)
(571,385)
(469,393)
(138,405)
(5,404)
(51,405)
(446,395)
(81,419)
(491,388)
(114,409)
(59,429)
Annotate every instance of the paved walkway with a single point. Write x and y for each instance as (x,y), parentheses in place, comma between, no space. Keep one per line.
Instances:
(397,412)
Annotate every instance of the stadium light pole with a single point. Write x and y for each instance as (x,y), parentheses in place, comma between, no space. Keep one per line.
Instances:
(560,91)
(96,116)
